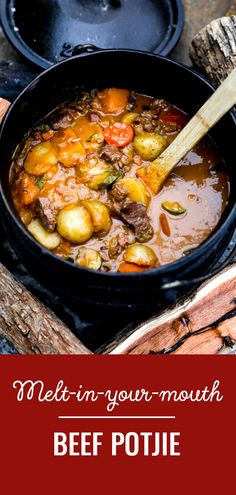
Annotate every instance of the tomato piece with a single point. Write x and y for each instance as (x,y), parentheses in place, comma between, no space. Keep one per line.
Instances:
(119,134)
(176,118)
(130,267)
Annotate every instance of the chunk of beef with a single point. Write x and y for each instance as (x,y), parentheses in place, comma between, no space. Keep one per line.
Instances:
(132,212)
(127,154)
(119,158)
(66,115)
(79,108)
(131,102)
(135,215)
(147,121)
(119,193)
(46,213)
(110,153)
(104,252)
(119,242)
(158,105)
(61,120)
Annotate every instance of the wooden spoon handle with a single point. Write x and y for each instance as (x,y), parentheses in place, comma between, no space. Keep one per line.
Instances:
(218,104)
(4,104)
(215,107)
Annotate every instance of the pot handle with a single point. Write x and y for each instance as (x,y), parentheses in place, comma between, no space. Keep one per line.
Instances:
(89,48)
(70,50)
(4,105)
(178,284)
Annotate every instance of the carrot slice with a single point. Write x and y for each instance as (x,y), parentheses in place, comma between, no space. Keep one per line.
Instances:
(119,134)
(130,267)
(165,225)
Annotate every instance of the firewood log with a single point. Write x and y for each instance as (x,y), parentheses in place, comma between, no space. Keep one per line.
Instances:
(202,324)
(29,325)
(213,50)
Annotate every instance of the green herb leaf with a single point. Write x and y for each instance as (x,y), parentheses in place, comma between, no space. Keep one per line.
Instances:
(40,182)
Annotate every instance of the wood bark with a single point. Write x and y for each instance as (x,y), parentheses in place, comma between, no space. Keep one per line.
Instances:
(213,50)
(198,13)
(29,325)
(4,104)
(203,324)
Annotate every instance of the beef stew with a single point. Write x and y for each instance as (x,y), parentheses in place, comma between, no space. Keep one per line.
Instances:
(75,188)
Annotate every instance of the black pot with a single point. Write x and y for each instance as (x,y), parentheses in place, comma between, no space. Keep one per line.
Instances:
(148,74)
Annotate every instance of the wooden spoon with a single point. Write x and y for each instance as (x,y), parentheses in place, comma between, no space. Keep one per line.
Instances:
(224,98)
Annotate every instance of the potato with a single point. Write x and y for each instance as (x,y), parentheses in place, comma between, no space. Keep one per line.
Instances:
(48,240)
(100,215)
(137,191)
(140,255)
(89,258)
(74,223)
(41,158)
(149,146)
(128,118)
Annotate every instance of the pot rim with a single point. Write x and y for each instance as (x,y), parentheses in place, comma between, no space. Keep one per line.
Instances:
(160,270)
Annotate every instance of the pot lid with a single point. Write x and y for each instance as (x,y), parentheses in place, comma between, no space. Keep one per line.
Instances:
(46,31)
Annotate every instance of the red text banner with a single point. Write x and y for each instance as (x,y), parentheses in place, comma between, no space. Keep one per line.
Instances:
(117,423)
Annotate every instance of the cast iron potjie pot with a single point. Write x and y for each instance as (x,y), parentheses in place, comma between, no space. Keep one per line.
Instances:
(147,74)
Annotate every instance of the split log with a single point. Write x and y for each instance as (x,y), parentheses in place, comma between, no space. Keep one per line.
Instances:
(213,50)
(203,324)
(4,104)
(29,326)
(197,15)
